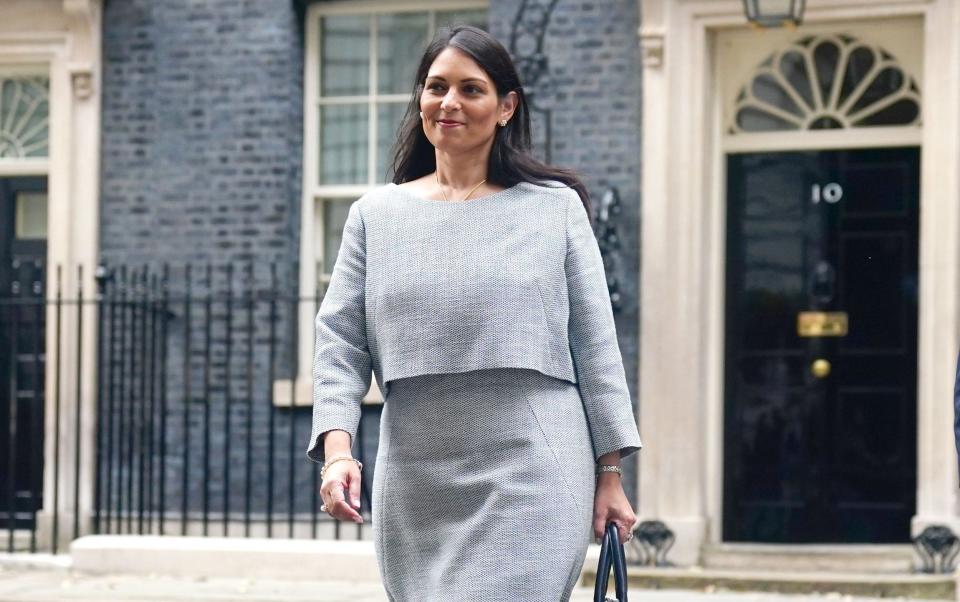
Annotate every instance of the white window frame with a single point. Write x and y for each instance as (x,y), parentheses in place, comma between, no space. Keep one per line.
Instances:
(312,245)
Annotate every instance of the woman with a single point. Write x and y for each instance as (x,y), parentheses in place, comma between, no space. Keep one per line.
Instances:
(473,288)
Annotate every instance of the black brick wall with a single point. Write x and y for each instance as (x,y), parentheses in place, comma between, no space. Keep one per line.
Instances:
(202,147)
(202,130)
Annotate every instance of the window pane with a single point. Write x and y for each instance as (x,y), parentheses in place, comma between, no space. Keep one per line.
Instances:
(31,217)
(401,40)
(476,17)
(343,144)
(389,117)
(344,55)
(334,216)
(25,117)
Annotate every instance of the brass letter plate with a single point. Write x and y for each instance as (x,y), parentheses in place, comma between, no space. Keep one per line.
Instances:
(822,323)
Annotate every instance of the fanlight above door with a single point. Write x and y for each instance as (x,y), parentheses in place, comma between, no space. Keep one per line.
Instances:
(24,116)
(827,82)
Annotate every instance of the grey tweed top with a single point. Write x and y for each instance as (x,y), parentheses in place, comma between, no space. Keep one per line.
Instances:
(512,279)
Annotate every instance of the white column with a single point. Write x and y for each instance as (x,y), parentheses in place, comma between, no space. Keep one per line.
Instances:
(937,483)
(73,239)
(673,335)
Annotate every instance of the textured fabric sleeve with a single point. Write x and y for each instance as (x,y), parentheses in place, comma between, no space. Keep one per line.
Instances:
(593,340)
(342,364)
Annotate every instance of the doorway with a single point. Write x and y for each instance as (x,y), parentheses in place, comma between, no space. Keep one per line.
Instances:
(23,251)
(820,388)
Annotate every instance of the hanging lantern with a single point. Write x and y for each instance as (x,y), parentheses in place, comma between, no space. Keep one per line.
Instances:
(774,13)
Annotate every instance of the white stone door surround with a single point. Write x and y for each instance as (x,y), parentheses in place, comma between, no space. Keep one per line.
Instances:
(682,250)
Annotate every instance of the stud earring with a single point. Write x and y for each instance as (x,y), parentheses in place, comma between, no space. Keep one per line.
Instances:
(503,123)
(421,114)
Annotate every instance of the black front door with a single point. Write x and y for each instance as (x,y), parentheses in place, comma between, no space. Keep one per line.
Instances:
(23,249)
(821,346)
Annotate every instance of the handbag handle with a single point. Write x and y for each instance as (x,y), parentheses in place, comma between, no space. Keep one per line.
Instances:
(611,556)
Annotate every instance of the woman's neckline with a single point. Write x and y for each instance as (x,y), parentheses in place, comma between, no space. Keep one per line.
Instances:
(478,199)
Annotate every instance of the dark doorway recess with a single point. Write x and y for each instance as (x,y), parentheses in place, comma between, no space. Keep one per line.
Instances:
(821,429)
(23,251)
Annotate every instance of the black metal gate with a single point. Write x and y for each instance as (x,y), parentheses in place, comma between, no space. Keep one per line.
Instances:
(196,429)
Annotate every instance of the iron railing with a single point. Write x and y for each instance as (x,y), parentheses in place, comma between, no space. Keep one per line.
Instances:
(182,430)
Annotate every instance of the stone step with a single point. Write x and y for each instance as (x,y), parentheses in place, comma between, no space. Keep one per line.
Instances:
(909,586)
(847,558)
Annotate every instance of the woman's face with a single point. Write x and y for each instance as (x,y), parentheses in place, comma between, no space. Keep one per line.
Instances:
(459,103)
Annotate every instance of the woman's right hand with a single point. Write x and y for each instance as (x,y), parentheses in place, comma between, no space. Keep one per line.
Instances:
(344,476)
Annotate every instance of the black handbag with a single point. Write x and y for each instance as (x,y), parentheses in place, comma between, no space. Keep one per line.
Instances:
(611,556)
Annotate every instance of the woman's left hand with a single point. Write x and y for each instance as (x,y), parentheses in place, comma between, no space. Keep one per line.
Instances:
(610,504)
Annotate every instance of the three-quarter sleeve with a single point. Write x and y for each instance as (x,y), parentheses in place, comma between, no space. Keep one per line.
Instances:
(593,341)
(342,364)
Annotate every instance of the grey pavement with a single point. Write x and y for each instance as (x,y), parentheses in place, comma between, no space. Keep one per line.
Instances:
(63,585)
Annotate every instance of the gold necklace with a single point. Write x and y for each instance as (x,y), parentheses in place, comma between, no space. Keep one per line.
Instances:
(445,193)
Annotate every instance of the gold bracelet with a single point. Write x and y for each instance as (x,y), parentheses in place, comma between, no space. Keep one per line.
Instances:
(330,462)
(609,468)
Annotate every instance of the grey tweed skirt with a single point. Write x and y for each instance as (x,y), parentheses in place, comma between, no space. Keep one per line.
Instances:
(483,488)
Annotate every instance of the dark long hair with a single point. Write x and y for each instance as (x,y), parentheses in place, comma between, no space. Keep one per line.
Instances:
(511,161)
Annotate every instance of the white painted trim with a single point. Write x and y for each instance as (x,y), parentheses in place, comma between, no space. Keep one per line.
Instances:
(372,113)
(937,490)
(346,100)
(682,251)
(307,277)
(22,69)
(339,191)
(24,167)
(674,138)
(823,139)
